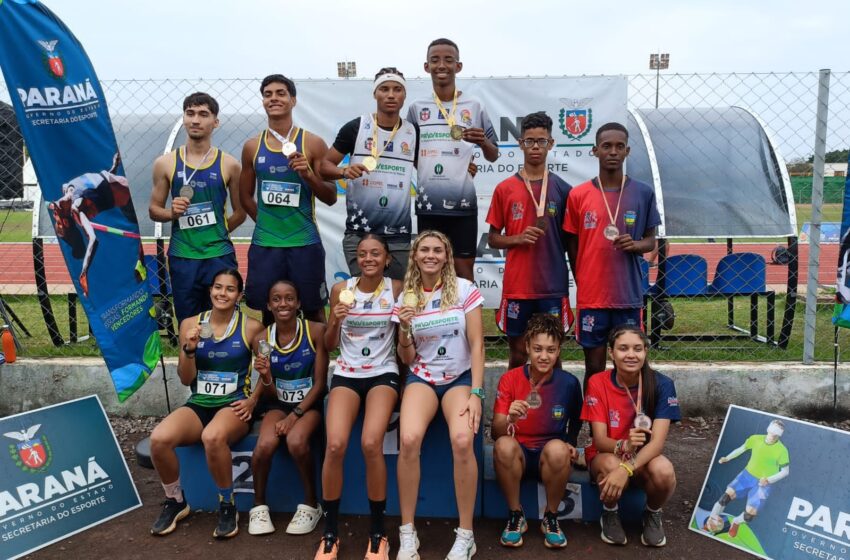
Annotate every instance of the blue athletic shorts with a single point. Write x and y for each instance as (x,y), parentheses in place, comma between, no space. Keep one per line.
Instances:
(513,314)
(191,280)
(747,483)
(594,325)
(532,463)
(303,266)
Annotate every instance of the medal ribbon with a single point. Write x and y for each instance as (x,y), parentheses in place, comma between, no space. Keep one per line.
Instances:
(450,117)
(229,325)
(377,291)
(188,180)
(605,200)
(544,188)
(288,138)
(375,127)
(431,296)
(273,336)
(639,405)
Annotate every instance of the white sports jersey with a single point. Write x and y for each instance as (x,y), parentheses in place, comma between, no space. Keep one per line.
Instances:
(444,186)
(367,335)
(442,351)
(379,201)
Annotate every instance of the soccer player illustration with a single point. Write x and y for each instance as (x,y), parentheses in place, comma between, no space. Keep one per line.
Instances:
(83,198)
(768,465)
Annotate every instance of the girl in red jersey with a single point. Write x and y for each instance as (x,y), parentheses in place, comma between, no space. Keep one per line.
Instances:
(630,408)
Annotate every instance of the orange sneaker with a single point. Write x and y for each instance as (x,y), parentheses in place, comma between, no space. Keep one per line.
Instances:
(378,549)
(328,548)
(84,283)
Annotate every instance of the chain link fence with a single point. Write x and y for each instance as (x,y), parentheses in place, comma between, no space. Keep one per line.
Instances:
(701,303)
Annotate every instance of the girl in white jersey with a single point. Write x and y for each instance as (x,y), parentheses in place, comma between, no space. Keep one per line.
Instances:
(366,373)
(441,338)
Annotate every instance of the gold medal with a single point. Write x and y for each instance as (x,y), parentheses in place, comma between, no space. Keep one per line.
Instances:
(187,191)
(410,299)
(456,132)
(369,163)
(346,297)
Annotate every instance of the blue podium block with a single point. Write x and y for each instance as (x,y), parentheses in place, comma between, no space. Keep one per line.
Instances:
(580,500)
(283,491)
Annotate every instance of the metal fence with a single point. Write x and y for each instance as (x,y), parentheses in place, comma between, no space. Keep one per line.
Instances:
(700,303)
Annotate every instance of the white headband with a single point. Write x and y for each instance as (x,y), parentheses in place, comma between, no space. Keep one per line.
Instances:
(774,429)
(389,77)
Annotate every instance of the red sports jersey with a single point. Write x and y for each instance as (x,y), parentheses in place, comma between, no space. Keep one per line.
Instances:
(539,270)
(607,402)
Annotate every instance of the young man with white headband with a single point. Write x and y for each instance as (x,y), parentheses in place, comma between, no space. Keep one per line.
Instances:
(382,150)
(768,464)
(453,126)
(610,221)
(282,168)
(199,178)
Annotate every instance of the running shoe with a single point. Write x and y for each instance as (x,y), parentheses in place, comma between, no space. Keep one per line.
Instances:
(612,528)
(378,549)
(172,512)
(228,521)
(328,547)
(553,537)
(408,543)
(516,526)
(464,546)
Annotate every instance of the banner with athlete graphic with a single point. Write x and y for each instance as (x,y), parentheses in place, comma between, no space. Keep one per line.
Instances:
(62,114)
(61,472)
(841,316)
(777,488)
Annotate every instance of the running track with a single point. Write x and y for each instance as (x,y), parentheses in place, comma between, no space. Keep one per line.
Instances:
(17,276)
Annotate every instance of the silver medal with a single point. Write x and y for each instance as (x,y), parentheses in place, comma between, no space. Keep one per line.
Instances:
(288,149)
(533,399)
(264,348)
(187,191)
(643,422)
(206,330)
(611,232)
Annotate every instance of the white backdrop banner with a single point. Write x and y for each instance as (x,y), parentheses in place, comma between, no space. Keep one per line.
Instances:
(578,106)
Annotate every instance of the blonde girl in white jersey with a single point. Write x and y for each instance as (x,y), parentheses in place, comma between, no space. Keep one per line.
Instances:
(442,340)
(366,372)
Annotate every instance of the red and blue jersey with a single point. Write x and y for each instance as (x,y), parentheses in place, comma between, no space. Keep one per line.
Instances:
(607,278)
(561,397)
(606,401)
(539,270)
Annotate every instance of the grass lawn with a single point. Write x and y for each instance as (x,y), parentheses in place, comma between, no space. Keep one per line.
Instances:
(15,225)
(692,317)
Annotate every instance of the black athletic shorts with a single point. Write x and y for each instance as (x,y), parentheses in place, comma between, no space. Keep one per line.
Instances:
(462,231)
(205,413)
(363,385)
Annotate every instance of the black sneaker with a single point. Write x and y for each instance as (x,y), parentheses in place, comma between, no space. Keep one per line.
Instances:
(653,529)
(172,512)
(612,528)
(228,521)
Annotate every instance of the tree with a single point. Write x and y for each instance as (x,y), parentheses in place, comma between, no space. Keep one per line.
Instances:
(835,156)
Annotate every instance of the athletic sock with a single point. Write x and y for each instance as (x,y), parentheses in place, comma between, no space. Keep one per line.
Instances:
(225,494)
(173,491)
(716,510)
(377,507)
(331,517)
(738,520)
(650,510)
(606,508)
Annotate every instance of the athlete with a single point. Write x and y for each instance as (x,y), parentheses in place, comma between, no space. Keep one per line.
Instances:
(291,390)
(82,199)
(452,125)
(199,178)
(217,367)
(525,219)
(366,376)
(768,465)
(610,221)
(281,166)
(630,408)
(442,341)
(383,151)
(535,425)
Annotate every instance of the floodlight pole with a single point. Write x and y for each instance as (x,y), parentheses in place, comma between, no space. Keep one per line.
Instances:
(814,232)
(658,62)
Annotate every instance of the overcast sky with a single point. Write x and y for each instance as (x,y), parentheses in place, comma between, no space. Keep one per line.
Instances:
(305,39)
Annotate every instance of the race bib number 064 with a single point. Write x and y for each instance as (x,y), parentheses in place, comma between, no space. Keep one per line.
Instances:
(278,193)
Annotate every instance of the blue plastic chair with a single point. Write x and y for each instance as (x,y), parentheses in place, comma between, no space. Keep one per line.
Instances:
(684,275)
(740,274)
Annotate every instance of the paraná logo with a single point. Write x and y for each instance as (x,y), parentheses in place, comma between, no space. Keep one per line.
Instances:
(576,119)
(54,61)
(31,454)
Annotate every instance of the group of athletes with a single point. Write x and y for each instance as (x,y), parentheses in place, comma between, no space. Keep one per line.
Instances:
(409,320)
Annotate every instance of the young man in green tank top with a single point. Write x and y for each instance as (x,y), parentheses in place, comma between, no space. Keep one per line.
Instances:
(199,178)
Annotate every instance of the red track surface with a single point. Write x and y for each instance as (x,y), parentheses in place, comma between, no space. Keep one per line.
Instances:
(17,262)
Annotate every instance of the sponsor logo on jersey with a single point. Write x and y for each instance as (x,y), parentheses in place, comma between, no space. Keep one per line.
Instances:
(425,114)
(592,401)
(517,209)
(576,119)
(552,208)
(614,418)
(587,323)
(590,219)
(466,116)
(368,144)
(405,148)
(438,169)
(672,401)
(629,217)
(557,412)
(513,310)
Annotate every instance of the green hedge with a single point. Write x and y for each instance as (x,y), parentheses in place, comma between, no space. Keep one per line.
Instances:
(833,189)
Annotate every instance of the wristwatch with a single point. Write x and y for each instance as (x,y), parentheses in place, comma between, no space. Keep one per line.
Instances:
(298,412)
(478,392)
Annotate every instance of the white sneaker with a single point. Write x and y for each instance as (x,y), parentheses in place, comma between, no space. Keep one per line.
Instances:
(464,547)
(304,520)
(408,547)
(260,522)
